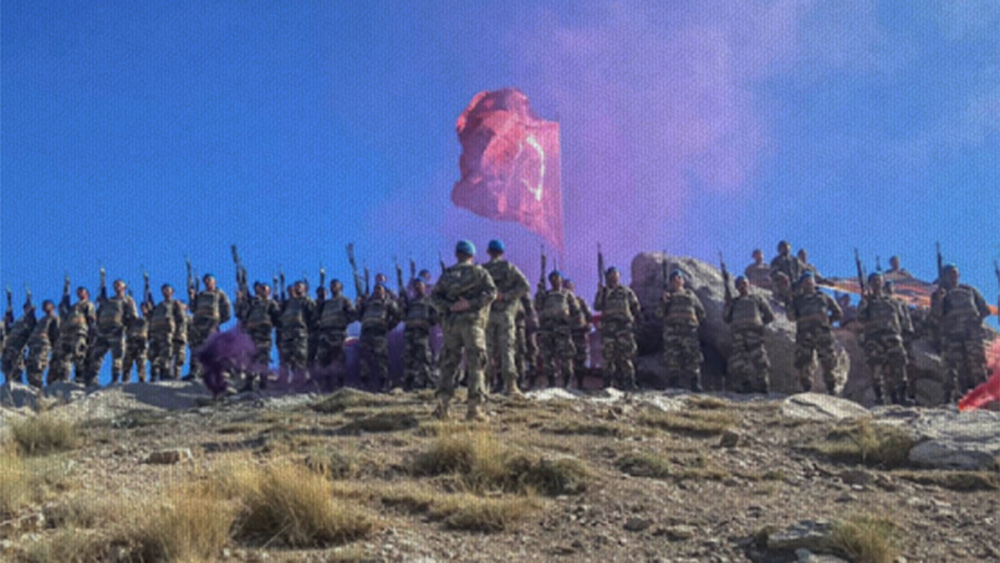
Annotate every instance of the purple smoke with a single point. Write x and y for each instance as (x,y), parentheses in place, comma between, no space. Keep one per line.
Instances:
(225,352)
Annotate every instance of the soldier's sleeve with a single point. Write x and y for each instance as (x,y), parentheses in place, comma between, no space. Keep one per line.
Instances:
(64,305)
(487,293)
(790,310)
(699,308)
(984,310)
(54,331)
(131,312)
(905,321)
(350,311)
(225,308)
(587,314)
(863,309)
(438,296)
(433,316)
(599,300)
(727,313)
(767,315)
(836,313)
(661,310)
(519,285)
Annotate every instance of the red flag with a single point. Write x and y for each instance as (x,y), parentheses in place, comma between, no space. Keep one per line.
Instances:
(988,391)
(510,164)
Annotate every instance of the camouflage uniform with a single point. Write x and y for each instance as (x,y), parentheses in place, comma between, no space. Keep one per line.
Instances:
(759,275)
(210,309)
(43,336)
(557,312)
(167,340)
(501,329)
(463,331)
(619,309)
(378,318)
(581,339)
(332,319)
(114,314)
(15,345)
(526,354)
(749,364)
(813,315)
(136,345)
(294,319)
(885,319)
(257,316)
(77,323)
(787,266)
(681,316)
(418,358)
(959,318)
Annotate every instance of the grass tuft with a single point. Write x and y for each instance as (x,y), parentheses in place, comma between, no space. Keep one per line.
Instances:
(15,483)
(387,421)
(872,445)
(954,480)
(44,434)
(488,515)
(346,398)
(651,465)
(701,423)
(188,523)
(574,428)
(866,539)
(333,463)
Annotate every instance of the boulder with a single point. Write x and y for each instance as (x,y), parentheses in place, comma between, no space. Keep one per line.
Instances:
(815,406)
(18,395)
(955,440)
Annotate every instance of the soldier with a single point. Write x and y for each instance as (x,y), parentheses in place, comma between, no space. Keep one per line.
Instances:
(958,311)
(895,272)
(257,316)
(463,296)
(813,313)
(501,330)
(78,322)
(114,314)
(581,334)
(379,314)
(43,336)
(390,294)
(420,316)
(758,273)
(885,320)
(16,344)
(557,312)
(619,309)
(747,314)
(785,268)
(803,257)
(294,319)
(136,343)
(167,336)
(526,355)
(682,313)
(332,318)
(210,309)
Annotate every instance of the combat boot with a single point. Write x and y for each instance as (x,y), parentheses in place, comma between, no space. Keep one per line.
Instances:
(476,414)
(696,384)
(880,397)
(441,411)
(806,382)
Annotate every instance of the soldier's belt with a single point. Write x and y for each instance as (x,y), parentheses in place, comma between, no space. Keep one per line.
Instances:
(817,318)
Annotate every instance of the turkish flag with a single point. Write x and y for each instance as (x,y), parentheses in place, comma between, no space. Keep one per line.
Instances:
(510,164)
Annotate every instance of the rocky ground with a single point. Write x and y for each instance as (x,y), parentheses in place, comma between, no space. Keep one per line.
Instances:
(657,476)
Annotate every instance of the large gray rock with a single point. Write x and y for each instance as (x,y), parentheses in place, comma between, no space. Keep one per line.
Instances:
(955,440)
(18,395)
(815,406)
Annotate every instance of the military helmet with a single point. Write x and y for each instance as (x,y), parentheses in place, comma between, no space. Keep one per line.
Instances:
(465,247)
(496,245)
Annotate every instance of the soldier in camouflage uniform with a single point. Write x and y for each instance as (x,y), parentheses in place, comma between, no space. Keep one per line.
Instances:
(758,273)
(581,334)
(885,320)
(210,309)
(167,337)
(75,327)
(747,314)
(619,309)
(257,316)
(813,313)
(785,268)
(420,316)
(16,344)
(332,318)
(136,345)
(379,314)
(295,318)
(557,312)
(958,311)
(114,315)
(526,355)
(43,336)
(501,329)
(463,296)
(682,313)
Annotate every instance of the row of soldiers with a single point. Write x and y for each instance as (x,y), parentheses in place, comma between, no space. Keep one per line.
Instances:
(524,338)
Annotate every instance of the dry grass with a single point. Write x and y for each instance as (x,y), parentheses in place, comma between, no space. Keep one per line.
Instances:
(696,467)
(709,403)
(866,539)
(488,515)
(954,480)
(873,445)
(333,463)
(693,423)
(346,398)
(385,421)
(81,511)
(576,428)
(69,545)
(44,434)
(15,483)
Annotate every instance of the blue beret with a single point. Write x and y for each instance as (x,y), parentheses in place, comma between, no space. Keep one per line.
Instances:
(874,275)
(465,247)
(612,269)
(496,245)
(806,274)
(556,273)
(740,279)
(949,267)
(676,274)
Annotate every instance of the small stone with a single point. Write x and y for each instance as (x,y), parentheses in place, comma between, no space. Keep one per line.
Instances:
(729,439)
(856,477)
(170,457)
(680,533)
(637,524)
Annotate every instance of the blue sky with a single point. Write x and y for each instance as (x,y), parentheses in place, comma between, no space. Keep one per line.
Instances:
(135,135)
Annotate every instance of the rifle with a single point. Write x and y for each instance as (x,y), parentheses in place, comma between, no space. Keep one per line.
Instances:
(354,267)
(10,298)
(861,271)
(413,269)
(600,266)
(666,274)
(147,294)
(27,296)
(241,272)
(322,276)
(274,285)
(281,284)
(878,264)
(441,261)
(399,279)
(725,278)
(368,287)
(940,266)
(104,284)
(8,316)
(192,280)
(541,281)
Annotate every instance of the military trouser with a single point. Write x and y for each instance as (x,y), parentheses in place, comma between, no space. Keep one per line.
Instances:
(465,333)
(330,354)
(811,342)
(618,350)
(13,363)
(293,350)
(749,364)
(108,339)
(418,358)
(965,360)
(887,359)
(198,335)
(501,339)
(555,344)
(166,356)
(682,355)
(581,341)
(135,355)
(260,363)
(375,357)
(38,362)
(70,352)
